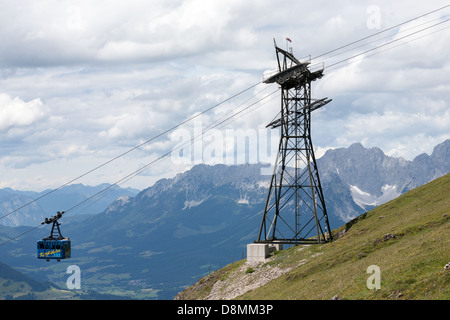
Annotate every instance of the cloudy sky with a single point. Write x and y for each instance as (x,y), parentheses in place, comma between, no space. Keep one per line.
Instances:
(82,82)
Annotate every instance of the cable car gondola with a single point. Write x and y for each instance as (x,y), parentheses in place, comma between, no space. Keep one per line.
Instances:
(54,246)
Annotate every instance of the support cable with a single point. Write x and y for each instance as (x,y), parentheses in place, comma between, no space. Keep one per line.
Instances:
(382,31)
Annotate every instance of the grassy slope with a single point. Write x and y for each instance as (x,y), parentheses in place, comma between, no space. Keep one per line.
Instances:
(412,263)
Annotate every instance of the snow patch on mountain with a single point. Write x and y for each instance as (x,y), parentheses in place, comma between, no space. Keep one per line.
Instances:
(364,199)
(118,205)
(192,203)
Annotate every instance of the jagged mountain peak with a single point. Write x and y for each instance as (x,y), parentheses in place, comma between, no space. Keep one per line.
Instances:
(374,177)
(203,176)
(360,166)
(356,150)
(441,154)
(359,147)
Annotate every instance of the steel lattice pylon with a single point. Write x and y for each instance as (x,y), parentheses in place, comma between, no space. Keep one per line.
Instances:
(295,211)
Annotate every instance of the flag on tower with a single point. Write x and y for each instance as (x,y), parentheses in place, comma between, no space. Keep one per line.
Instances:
(288,39)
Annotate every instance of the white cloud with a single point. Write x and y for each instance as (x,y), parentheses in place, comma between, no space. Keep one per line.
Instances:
(84,81)
(14,112)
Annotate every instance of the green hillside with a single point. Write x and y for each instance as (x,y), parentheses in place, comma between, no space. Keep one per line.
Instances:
(407,238)
(16,285)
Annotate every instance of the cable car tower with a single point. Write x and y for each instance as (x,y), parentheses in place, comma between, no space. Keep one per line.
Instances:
(295,211)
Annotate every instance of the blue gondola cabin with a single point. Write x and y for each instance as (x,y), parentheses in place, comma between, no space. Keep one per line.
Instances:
(53,249)
(54,246)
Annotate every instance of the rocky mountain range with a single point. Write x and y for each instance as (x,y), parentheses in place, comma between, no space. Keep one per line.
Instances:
(165,237)
(374,178)
(354,179)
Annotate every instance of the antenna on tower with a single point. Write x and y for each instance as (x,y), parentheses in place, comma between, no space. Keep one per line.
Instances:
(288,49)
